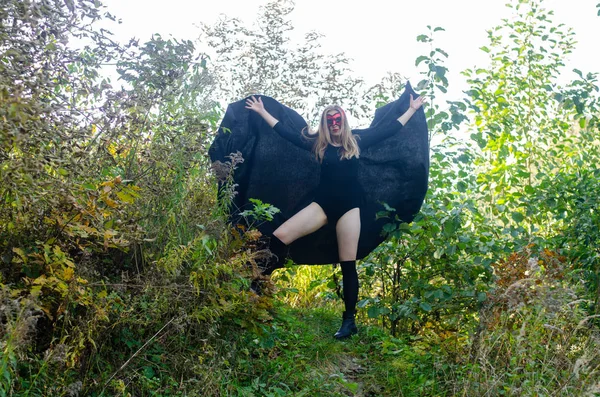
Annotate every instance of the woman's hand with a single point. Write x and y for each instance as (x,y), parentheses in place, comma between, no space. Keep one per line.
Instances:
(415,104)
(255,104)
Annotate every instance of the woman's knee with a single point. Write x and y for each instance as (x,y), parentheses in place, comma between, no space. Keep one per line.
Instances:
(349,256)
(283,234)
(304,222)
(348,235)
(347,249)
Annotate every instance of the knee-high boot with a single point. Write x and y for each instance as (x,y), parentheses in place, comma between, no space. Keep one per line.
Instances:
(280,253)
(350,279)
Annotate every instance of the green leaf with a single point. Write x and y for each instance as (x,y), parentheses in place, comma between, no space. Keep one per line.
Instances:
(481,297)
(444,53)
(421,85)
(425,306)
(350,385)
(373,312)
(404,227)
(149,372)
(450,227)
(382,214)
(517,217)
(125,197)
(389,227)
(420,59)
(463,158)
(388,208)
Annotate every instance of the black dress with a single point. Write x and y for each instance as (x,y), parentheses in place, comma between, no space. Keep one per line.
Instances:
(339,190)
(392,170)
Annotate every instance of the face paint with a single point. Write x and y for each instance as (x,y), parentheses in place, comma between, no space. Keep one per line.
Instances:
(334,119)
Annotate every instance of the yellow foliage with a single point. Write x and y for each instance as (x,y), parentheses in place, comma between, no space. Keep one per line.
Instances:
(68,273)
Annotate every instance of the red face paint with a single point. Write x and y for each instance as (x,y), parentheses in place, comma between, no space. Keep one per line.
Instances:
(334,119)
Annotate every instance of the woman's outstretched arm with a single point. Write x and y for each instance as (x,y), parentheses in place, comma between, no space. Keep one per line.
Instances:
(373,135)
(257,105)
(294,137)
(415,104)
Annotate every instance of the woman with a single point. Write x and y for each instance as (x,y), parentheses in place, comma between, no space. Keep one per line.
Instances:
(339,195)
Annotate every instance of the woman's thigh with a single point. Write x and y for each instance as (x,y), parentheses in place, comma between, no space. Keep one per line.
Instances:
(308,220)
(348,233)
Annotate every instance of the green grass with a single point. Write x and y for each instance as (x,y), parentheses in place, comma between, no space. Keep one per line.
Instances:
(269,347)
(296,355)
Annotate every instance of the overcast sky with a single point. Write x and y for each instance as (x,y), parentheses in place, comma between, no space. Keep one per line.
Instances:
(379,35)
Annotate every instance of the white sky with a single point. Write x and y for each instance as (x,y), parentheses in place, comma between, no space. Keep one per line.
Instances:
(365,29)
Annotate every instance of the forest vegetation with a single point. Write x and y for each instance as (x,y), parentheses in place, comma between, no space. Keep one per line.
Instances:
(120,275)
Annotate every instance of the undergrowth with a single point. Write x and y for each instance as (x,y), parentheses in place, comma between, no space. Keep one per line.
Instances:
(120,275)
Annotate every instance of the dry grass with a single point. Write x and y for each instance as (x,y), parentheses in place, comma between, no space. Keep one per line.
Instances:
(534,337)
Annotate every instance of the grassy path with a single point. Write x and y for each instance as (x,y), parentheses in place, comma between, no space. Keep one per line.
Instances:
(296,355)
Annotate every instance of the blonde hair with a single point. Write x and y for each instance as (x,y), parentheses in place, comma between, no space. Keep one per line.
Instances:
(349,146)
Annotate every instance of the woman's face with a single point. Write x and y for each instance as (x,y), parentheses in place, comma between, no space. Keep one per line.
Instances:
(334,122)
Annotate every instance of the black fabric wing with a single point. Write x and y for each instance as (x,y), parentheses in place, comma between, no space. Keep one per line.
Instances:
(275,171)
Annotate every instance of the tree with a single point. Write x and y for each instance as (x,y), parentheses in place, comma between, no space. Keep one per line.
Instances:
(263,59)
(538,140)
(517,119)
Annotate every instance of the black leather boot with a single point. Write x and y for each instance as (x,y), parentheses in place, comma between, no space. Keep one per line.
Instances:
(279,254)
(274,256)
(348,327)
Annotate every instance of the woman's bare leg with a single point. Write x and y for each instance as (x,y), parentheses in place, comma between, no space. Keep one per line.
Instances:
(308,220)
(348,233)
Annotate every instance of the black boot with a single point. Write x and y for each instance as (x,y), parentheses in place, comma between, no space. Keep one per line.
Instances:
(275,254)
(279,254)
(348,327)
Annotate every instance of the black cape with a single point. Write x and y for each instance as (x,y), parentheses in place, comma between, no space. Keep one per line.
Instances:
(275,171)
